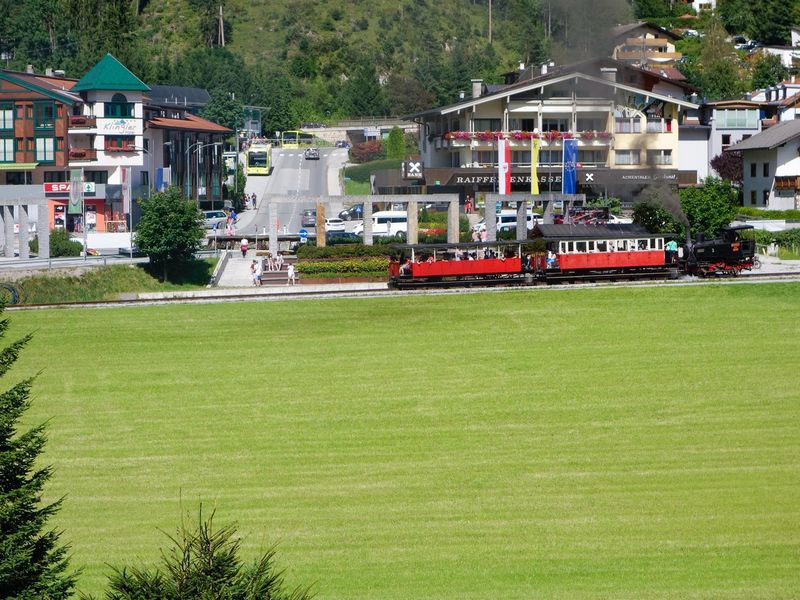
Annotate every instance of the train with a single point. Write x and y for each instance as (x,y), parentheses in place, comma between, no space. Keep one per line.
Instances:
(569,253)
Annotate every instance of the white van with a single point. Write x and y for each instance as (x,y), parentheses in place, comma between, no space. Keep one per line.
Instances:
(386,222)
(507,220)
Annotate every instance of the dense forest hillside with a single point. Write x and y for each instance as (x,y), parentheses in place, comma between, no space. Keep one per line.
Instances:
(320,60)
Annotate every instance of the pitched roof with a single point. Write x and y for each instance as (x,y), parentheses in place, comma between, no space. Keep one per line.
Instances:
(110,74)
(190,123)
(773,137)
(53,87)
(593,232)
(178,95)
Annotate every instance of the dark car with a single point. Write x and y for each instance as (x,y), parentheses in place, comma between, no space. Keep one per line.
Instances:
(354,212)
(312,154)
(342,144)
(308,218)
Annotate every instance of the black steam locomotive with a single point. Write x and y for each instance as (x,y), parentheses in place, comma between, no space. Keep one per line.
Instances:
(727,254)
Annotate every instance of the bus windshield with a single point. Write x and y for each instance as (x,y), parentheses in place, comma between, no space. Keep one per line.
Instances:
(256,159)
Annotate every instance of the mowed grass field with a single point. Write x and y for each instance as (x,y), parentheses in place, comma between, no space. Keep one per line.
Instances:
(602,443)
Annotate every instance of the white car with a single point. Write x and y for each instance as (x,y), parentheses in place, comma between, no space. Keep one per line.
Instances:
(214,217)
(334,224)
(615,220)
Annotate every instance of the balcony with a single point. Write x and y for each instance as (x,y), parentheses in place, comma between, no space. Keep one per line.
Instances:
(130,148)
(78,154)
(520,139)
(82,122)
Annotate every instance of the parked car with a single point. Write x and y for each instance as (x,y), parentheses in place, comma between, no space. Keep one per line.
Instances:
(507,221)
(613,219)
(342,144)
(334,224)
(311,154)
(212,218)
(353,212)
(386,222)
(308,218)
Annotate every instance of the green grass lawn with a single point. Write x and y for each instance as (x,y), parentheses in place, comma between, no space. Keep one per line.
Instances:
(609,443)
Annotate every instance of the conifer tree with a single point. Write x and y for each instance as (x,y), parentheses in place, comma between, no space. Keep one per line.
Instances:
(32,563)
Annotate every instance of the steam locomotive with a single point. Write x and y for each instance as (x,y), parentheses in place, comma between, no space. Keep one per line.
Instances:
(565,253)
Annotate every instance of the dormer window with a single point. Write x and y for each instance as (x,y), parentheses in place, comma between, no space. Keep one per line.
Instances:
(119,107)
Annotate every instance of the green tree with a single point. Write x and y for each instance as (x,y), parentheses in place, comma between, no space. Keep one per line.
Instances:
(711,206)
(768,70)
(395,144)
(236,193)
(32,563)
(169,231)
(204,563)
(362,93)
(224,109)
(721,80)
(655,218)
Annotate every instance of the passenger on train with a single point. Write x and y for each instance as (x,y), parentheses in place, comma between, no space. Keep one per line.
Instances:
(406,268)
(551,259)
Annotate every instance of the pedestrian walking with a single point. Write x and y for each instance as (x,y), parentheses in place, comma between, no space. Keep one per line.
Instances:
(243,246)
(290,275)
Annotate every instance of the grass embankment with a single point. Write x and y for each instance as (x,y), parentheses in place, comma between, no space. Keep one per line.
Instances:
(356,177)
(109,283)
(606,443)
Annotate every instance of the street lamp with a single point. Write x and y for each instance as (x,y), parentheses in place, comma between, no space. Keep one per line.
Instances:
(196,146)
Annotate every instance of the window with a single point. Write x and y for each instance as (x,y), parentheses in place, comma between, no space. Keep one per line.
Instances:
(659,157)
(655,125)
(766,197)
(736,118)
(753,197)
(584,124)
(486,157)
(592,157)
(55,176)
(522,124)
(144,178)
(6,116)
(119,107)
(96,176)
(44,115)
(486,124)
(726,140)
(625,125)
(7,150)
(550,157)
(45,150)
(626,157)
(20,111)
(520,157)
(120,143)
(551,124)
(752,170)
(19,178)
(766,169)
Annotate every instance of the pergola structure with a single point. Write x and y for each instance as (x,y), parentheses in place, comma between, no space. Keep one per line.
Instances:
(15,203)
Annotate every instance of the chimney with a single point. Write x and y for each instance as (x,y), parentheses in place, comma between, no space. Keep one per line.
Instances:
(477,88)
(29,69)
(461,94)
(609,73)
(59,73)
(522,66)
(544,69)
(48,72)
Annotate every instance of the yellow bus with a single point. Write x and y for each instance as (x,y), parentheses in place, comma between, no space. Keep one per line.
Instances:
(296,139)
(258,159)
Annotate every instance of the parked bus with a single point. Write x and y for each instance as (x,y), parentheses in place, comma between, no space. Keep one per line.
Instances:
(258,159)
(296,139)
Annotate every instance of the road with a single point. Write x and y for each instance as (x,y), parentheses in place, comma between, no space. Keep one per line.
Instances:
(293,175)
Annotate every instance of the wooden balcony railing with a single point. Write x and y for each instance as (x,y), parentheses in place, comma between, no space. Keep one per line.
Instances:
(120,148)
(82,154)
(81,122)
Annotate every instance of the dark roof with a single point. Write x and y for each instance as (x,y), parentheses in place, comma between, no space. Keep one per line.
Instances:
(773,137)
(110,74)
(593,232)
(178,95)
(622,30)
(190,123)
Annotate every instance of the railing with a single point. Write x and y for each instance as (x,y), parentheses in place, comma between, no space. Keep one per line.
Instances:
(82,154)
(120,148)
(81,121)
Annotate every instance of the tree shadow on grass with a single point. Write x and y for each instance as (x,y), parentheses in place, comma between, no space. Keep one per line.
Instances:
(193,273)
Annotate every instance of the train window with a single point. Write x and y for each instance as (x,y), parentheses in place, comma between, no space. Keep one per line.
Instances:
(642,244)
(562,247)
(602,247)
(580,246)
(622,245)
(660,244)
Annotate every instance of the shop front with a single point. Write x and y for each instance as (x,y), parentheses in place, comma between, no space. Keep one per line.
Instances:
(93,216)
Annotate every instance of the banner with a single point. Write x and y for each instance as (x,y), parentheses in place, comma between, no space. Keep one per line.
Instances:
(126,190)
(75,206)
(504,166)
(534,165)
(163,178)
(570,174)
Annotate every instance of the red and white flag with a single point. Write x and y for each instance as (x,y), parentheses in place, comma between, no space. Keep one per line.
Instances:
(504,166)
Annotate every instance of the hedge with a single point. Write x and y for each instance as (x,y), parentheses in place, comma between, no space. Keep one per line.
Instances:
(354,267)
(789,215)
(341,251)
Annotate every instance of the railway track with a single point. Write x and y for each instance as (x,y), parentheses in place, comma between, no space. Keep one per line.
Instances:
(265,296)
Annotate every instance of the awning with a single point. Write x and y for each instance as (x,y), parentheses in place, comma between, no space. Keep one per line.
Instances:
(18,166)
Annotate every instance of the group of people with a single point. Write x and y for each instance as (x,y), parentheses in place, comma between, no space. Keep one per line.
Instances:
(273,264)
(479,236)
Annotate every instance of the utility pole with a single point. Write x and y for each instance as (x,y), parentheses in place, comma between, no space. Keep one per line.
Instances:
(490,21)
